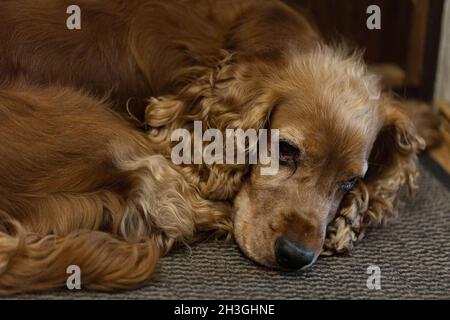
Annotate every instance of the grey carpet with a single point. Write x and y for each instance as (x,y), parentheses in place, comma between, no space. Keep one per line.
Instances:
(413,254)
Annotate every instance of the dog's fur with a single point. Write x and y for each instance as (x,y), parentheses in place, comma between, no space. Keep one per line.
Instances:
(80,185)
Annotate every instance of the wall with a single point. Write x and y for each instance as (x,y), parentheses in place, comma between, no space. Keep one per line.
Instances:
(442,88)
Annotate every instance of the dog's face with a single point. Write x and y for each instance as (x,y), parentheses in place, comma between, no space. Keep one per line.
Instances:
(334,127)
(328,122)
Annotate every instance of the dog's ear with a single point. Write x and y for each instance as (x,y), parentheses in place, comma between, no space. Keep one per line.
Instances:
(229,95)
(392,166)
(393,159)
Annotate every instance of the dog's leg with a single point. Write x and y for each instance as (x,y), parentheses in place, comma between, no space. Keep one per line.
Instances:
(72,229)
(30,262)
(62,198)
(167,207)
(75,197)
(115,239)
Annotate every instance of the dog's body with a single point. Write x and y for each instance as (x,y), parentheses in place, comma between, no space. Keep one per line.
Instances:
(69,166)
(133,50)
(79,185)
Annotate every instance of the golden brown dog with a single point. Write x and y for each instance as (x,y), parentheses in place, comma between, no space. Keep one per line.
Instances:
(80,185)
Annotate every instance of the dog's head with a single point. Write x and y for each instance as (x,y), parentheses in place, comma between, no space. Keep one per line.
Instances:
(333,123)
(333,126)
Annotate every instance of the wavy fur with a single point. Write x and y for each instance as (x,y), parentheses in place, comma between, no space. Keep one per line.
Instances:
(81,185)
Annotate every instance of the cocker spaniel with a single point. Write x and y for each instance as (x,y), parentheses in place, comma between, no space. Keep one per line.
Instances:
(82,185)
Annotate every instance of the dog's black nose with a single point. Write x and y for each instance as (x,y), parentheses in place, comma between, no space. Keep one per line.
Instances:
(290,255)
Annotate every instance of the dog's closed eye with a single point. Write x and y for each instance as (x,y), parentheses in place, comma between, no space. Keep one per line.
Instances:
(289,154)
(348,185)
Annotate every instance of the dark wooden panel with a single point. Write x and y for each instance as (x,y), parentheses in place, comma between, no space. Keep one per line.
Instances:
(405,39)
(347,19)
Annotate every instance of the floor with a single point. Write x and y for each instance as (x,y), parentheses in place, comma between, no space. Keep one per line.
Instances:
(413,254)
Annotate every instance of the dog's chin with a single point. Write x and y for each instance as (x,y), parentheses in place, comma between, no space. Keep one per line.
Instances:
(254,255)
(245,230)
(250,235)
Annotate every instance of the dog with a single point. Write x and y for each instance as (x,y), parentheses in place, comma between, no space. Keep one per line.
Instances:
(80,184)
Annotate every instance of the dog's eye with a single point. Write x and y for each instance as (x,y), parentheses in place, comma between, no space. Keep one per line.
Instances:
(289,154)
(348,185)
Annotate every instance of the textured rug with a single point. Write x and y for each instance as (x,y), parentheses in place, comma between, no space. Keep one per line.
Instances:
(413,254)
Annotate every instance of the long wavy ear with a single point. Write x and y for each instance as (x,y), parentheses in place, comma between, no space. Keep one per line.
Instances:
(230,95)
(392,167)
(227,95)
